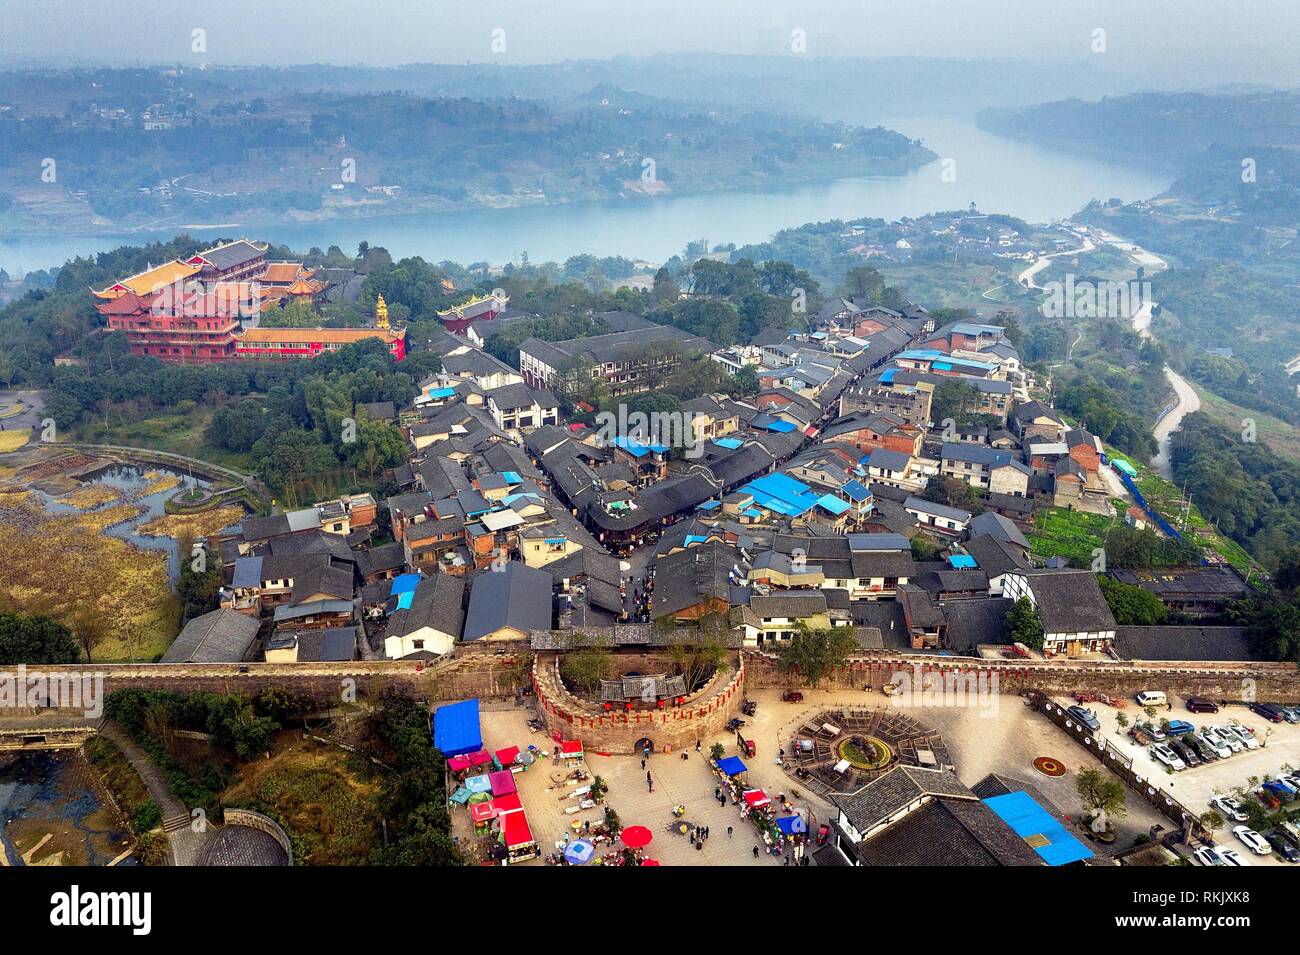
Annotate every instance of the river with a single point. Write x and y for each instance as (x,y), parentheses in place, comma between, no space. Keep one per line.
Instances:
(998,174)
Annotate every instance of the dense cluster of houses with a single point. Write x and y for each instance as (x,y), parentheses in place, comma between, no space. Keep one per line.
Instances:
(798,506)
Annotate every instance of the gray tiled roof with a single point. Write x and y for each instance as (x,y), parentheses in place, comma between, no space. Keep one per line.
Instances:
(219,636)
(517,597)
(887,795)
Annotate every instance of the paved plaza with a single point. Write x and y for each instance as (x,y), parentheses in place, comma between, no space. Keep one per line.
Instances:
(1002,739)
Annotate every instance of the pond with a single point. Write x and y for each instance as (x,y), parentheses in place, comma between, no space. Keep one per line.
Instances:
(131,484)
(52,806)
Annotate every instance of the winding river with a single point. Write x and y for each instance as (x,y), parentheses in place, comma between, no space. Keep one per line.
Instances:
(998,174)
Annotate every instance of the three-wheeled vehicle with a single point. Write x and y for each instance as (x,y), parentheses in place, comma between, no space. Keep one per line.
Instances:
(823,833)
(747,746)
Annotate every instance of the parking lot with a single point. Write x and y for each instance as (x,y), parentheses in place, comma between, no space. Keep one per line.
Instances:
(1194,787)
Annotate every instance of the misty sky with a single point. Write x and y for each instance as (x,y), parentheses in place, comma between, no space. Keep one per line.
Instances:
(1205,41)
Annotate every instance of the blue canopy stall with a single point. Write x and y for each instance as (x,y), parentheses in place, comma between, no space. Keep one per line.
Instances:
(731,765)
(456,728)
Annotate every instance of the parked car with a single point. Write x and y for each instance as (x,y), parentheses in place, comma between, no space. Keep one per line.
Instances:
(1208,855)
(1282,847)
(1180,728)
(1186,752)
(1231,856)
(1291,779)
(1211,742)
(1217,734)
(1163,754)
(1267,710)
(1280,789)
(791,696)
(1203,749)
(1199,704)
(1152,698)
(1243,733)
(1086,717)
(1252,840)
(1291,714)
(1231,809)
(1151,730)
(1268,800)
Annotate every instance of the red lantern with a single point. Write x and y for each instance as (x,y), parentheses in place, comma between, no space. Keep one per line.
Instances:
(607,707)
(660,704)
(628,706)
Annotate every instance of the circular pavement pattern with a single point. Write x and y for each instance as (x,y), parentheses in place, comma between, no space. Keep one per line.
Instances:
(1050,766)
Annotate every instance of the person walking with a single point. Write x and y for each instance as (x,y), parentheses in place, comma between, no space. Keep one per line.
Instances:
(697,746)
(729,831)
(755,852)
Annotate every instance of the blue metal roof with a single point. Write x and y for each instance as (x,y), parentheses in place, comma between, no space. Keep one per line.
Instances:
(779,426)
(832,504)
(636,448)
(857,491)
(1043,831)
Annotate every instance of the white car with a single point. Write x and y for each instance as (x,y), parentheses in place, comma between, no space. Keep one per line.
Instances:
(1245,735)
(1253,840)
(1221,750)
(1208,855)
(1231,809)
(1231,856)
(1222,735)
(1163,754)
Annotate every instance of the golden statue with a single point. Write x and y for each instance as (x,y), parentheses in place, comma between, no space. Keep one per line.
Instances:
(381,312)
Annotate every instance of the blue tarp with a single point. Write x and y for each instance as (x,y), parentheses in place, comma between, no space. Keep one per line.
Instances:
(731,765)
(404,582)
(791,825)
(456,728)
(440,392)
(962,561)
(779,426)
(731,444)
(1030,821)
(405,599)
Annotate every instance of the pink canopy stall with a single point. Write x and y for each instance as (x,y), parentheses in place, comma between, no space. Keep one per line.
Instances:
(502,781)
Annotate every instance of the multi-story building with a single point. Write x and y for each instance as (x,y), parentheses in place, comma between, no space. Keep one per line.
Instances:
(310,342)
(628,362)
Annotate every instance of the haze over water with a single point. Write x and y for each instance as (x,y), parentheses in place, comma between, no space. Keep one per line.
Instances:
(998,174)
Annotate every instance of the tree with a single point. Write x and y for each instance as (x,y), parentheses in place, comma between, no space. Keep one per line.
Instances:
(952,399)
(587,666)
(91,629)
(34,639)
(1023,624)
(665,290)
(814,653)
(1102,795)
(746,382)
(1131,605)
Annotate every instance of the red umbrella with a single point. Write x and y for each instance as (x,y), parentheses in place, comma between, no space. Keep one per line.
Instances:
(649,861)
(637,837)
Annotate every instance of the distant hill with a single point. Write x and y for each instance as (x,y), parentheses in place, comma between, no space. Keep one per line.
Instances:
(169,148)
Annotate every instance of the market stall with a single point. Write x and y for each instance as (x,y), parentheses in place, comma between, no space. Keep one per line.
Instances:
(502,782)
(571,749)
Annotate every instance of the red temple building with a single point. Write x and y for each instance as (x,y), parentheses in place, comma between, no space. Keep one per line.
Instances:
(187,325)
(310,342)
(478,309)
(197,310)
